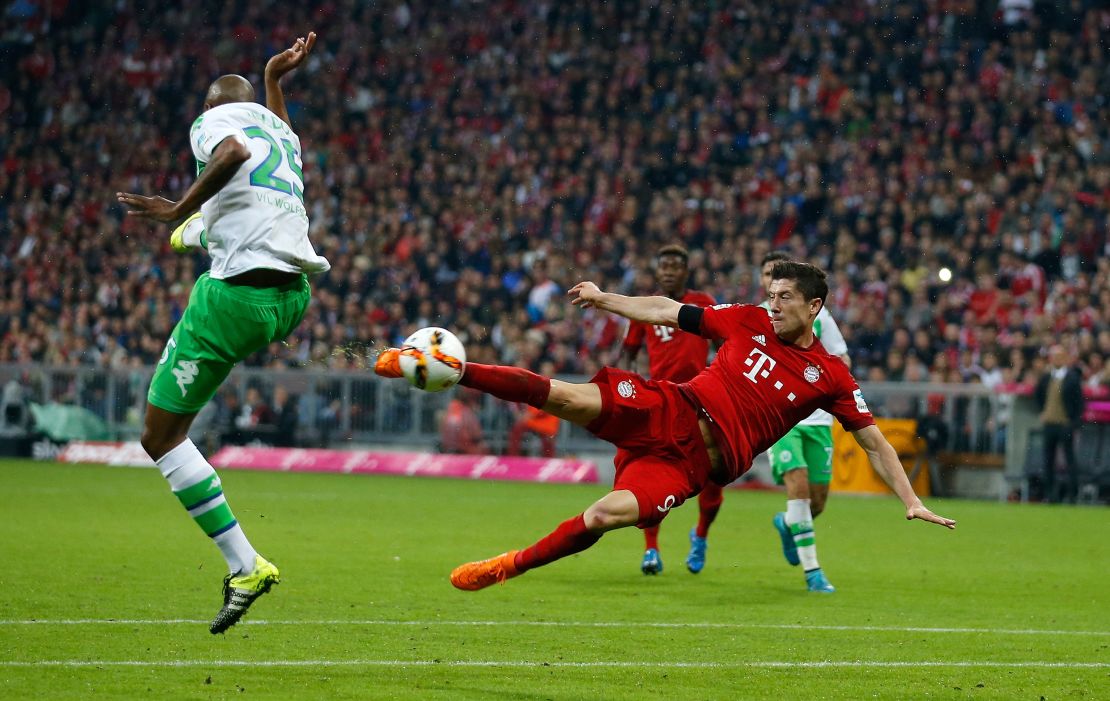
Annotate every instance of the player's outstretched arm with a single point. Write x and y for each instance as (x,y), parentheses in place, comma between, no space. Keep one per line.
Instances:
(662,311)
(229,155)
(884,459)
(278,66)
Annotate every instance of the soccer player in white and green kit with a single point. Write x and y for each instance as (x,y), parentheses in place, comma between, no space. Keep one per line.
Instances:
(802,459)
(246,208)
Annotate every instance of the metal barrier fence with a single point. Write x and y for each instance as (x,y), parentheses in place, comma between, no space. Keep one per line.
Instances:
(337,407)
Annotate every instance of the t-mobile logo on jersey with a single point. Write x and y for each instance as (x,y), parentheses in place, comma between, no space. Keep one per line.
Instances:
(756,360)
(665,333)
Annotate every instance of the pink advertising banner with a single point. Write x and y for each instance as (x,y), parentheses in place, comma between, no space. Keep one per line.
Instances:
(420,464)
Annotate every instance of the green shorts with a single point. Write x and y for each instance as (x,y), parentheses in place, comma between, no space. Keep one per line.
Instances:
(222,325)
(809,447)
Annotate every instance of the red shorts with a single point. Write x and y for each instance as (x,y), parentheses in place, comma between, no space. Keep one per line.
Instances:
(661,457)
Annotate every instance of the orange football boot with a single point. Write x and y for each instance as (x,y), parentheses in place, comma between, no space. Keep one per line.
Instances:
(388,363)
(478,575)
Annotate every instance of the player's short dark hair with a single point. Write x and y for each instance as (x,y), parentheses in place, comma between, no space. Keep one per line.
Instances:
(775,256)
(809,278)
(674,249)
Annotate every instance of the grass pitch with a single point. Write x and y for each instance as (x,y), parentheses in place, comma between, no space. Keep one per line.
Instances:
(107,587)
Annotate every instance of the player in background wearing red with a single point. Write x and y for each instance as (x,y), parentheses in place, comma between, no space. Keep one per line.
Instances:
(677,356)
(672,438)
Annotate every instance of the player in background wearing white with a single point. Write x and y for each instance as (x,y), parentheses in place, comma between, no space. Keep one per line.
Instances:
(249,192)
(802,459)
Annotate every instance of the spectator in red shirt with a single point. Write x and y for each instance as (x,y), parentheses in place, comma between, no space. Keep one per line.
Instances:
(460,431)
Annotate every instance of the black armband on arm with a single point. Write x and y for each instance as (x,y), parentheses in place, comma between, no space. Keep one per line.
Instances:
(689,318)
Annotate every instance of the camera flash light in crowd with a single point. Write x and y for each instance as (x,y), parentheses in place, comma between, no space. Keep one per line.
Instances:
(433,359)
(945,275)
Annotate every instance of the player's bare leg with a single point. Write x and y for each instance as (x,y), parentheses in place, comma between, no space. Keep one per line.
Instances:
(617,509)
(578,403)
(818,497)
(799,521)
(195,483)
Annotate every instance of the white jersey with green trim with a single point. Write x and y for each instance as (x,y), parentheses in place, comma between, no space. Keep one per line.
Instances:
(825,328)
(258,219)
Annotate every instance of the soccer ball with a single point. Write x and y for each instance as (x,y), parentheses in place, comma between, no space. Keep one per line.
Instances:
(433,359)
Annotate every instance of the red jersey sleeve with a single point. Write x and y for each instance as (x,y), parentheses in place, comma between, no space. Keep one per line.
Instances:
(848,406)
(720,321)
(635,336)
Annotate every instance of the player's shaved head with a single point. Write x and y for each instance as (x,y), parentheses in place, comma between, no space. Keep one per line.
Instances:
(227,89)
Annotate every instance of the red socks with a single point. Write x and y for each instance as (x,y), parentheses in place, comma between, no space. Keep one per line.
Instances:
(709,503)
(508,383)
(651,538)
(570,537)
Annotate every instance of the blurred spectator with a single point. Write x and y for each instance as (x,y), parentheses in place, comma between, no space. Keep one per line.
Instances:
(459,429)
(227,419)
(538,423)
(286,417)
(1059,397)
(255,414)
(15,414)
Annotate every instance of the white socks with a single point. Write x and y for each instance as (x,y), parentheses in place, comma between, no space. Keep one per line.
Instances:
(800,520)
(198,488)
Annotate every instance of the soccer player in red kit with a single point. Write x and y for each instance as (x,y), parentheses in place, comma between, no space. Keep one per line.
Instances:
(672,438)
(677,356)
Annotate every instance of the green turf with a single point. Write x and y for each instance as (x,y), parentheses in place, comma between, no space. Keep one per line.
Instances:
(365,610)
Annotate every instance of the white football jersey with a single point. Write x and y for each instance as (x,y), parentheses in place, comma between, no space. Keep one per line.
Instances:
(258,220)
(825,328)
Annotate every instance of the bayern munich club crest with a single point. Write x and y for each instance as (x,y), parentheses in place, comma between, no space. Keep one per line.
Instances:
(812,374)
(626,389)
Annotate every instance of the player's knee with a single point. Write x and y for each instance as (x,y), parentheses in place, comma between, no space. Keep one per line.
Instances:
(604,516)
(156,443)
(572,402)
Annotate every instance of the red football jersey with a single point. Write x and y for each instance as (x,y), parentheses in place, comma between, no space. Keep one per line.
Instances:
(673,354)
(759,387)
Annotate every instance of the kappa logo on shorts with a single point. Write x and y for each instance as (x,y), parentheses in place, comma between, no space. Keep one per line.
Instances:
(185,372)
(668,504)
(812,374)
(626,389)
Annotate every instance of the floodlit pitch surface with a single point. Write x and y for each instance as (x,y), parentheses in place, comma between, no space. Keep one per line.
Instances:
(107,588)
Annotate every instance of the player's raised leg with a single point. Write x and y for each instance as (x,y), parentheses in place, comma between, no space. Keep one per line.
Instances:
(709,504)
(579,403)
(184,382)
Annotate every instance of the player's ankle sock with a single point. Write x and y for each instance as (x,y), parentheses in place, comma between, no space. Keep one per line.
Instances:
(198,488)
(570,537)
(508,383)
(709,503)
(800,521)
(651,538)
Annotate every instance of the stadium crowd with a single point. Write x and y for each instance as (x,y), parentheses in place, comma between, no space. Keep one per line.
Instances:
(948,161)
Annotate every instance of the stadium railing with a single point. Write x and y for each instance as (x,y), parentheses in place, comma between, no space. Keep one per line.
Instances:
(967,422)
